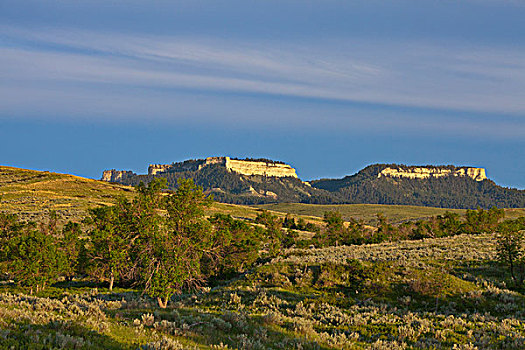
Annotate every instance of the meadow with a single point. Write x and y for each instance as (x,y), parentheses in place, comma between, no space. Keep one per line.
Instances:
(432,294)
(437,282)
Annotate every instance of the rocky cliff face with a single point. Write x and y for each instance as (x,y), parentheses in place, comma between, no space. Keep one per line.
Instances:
(477,174)
(117,175)
(244,167)
(155,169)
(259,168)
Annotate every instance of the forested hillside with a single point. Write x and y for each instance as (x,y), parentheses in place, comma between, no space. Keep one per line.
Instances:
(231,187)
(368,186)
(445,192)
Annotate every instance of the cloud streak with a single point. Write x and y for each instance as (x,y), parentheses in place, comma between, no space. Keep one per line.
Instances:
(89,73)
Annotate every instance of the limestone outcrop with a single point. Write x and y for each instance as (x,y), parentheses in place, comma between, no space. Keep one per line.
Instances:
(155,169)
(117,175)
(259,168)
(477,174)
(244,167)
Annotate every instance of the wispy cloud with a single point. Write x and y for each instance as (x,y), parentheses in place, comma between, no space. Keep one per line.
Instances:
(87,73)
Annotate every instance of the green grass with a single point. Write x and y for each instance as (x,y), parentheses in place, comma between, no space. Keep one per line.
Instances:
(439,292)
(368,212)
(349,297)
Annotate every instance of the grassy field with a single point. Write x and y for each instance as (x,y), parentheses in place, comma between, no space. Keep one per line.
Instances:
(441,293)
(432,294)
(368,212)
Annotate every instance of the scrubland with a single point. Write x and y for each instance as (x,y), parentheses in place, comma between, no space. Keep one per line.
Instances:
(435,293)
(257,283)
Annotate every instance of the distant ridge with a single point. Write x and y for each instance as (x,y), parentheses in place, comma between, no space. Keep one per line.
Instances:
(231,180)
(258,181)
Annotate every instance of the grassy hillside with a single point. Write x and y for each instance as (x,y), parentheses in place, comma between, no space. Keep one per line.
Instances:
(432,293)
(250,213)
(31,194)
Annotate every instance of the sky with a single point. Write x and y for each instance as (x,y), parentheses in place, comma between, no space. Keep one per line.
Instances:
(326,86)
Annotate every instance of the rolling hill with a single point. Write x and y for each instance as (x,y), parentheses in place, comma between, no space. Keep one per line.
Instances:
(432,186)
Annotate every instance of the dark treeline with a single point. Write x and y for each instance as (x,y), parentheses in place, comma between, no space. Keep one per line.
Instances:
(162,242)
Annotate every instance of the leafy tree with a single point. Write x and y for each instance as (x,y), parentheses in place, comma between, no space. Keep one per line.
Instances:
(28,254)
(70,247)
(385,230)
(449,223)
(274,232)
(10,227)
(289,222)
(235,246)
(33,259)
(118,234)
(479,221)
(335,230)
(171,256)
(108,256)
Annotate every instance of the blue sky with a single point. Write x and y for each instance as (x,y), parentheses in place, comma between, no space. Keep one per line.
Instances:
(328,86)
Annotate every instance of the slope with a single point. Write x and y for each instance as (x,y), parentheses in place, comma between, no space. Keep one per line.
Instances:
(460,192)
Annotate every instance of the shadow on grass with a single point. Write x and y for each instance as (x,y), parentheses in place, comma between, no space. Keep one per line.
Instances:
(56,335)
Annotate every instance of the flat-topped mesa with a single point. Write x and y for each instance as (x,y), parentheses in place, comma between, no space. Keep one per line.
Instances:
(117,175)
(263,168)
(244,167)
(477,174)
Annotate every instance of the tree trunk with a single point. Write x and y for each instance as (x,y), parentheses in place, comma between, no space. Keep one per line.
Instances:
(111,281)
(162,303)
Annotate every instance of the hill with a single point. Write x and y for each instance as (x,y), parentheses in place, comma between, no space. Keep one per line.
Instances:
(263,181)
(247,181)
(390,290)
(32,194)
(433,186)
